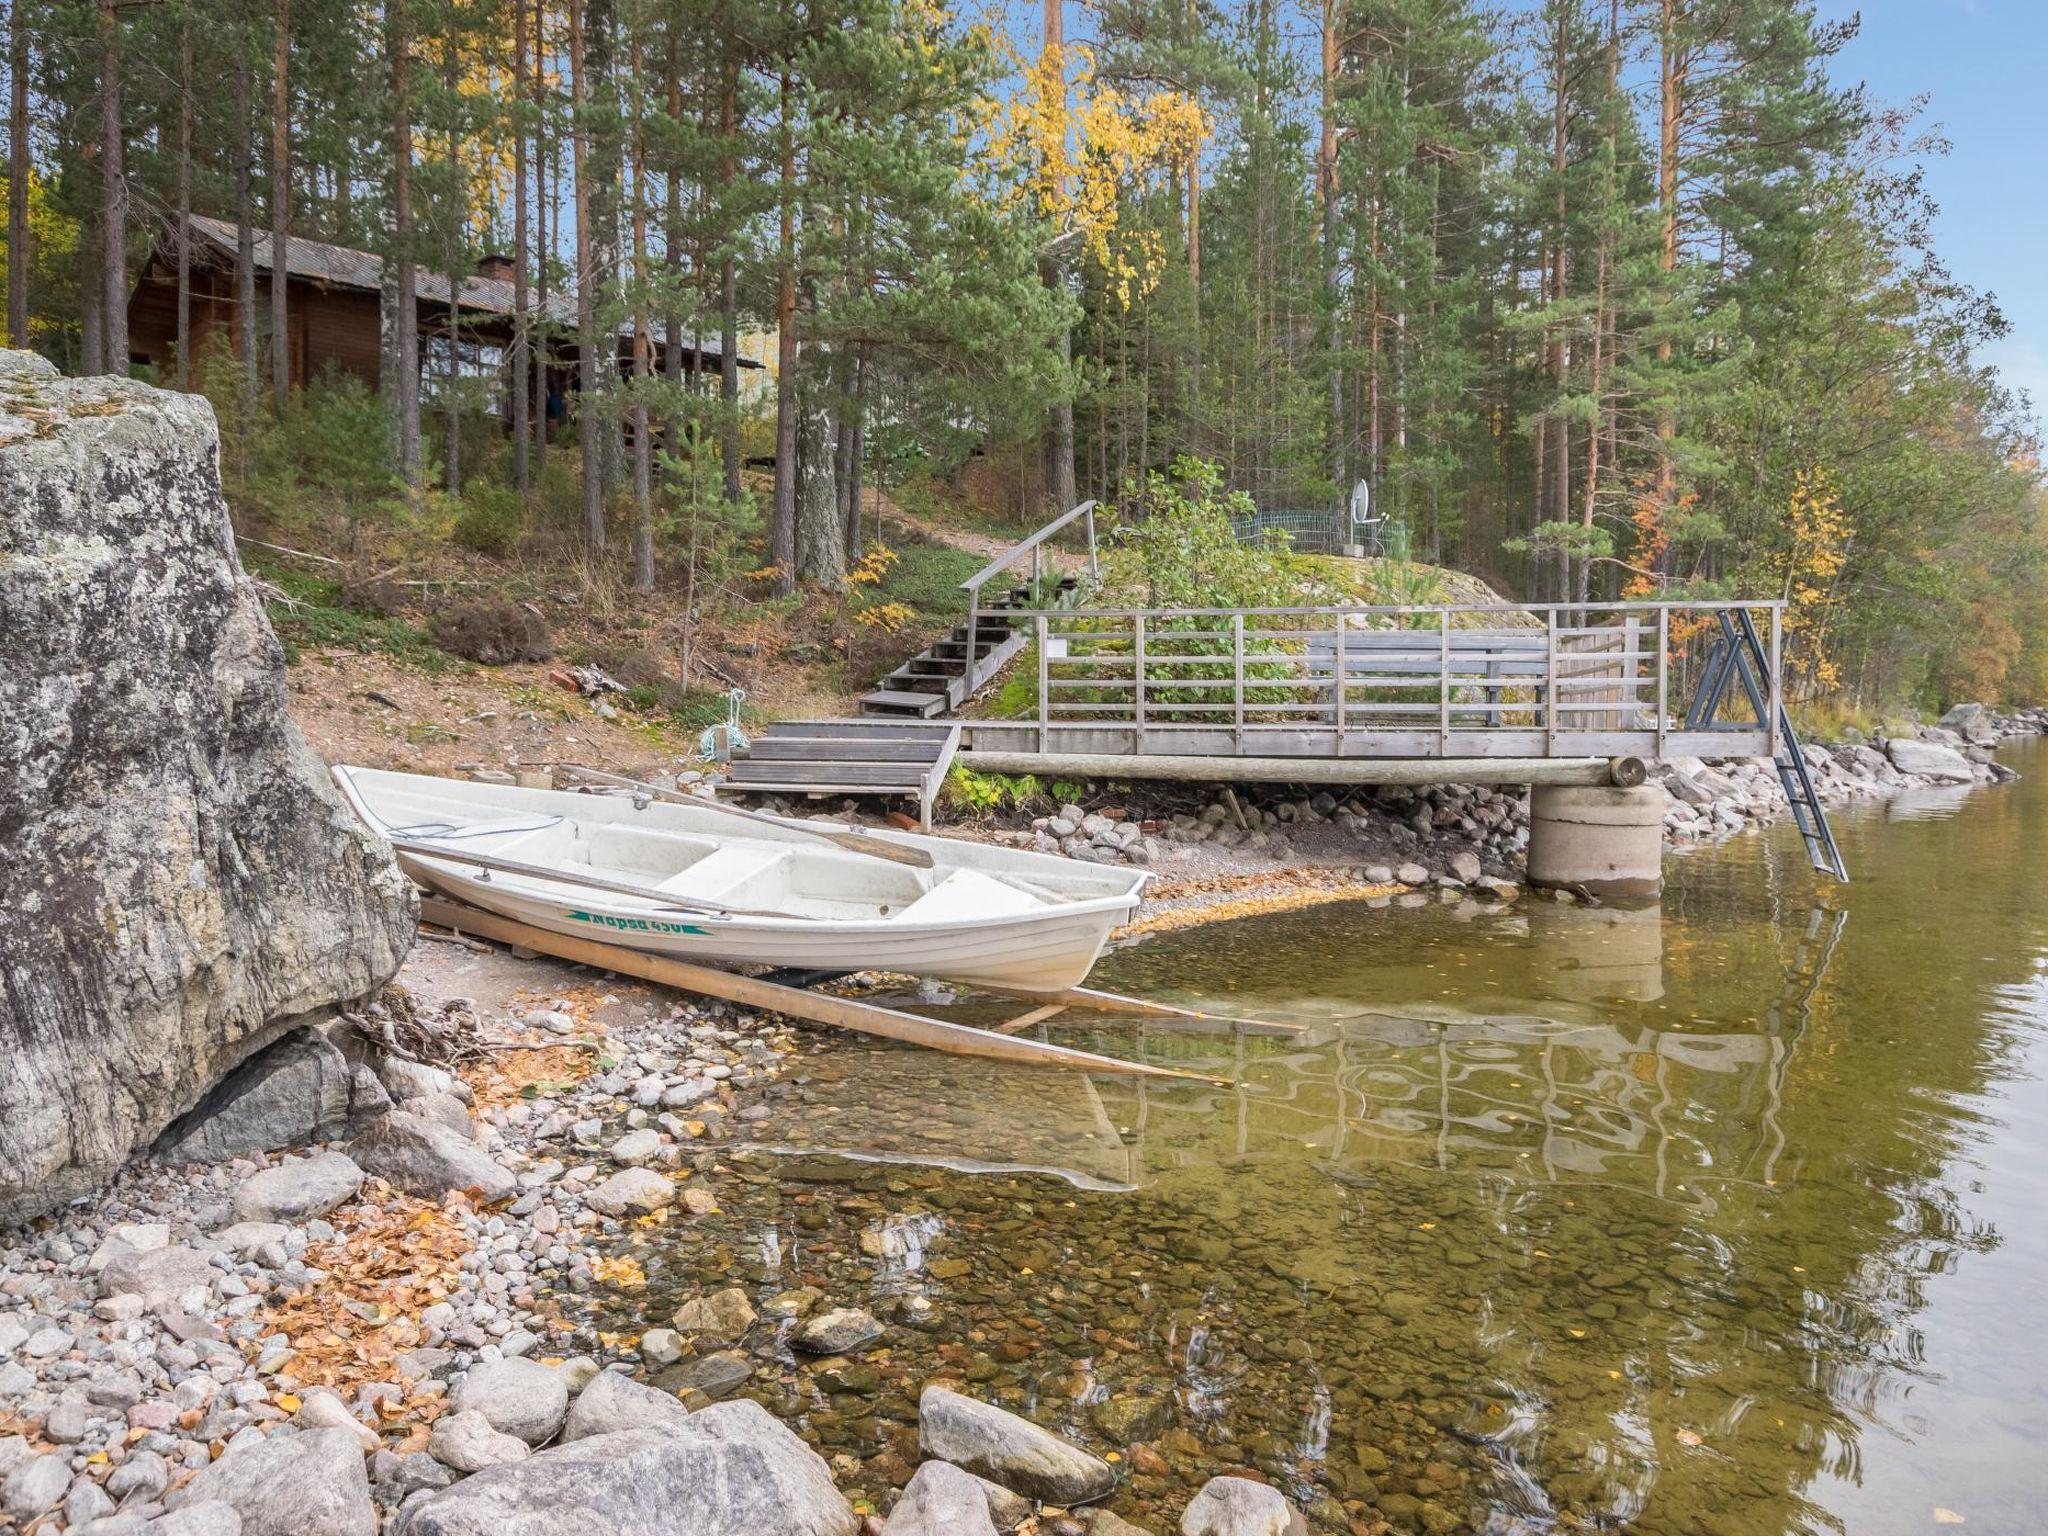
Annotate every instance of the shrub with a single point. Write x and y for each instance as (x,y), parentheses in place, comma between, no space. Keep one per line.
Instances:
(491,520)
(375,594)
(493,632)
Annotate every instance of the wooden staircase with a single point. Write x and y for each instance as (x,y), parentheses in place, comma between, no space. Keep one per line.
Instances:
(847,757)
(935,681)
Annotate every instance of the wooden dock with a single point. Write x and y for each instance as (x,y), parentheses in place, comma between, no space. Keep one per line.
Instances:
(1429,683)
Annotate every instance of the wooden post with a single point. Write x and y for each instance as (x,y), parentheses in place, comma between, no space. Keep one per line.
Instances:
(1138,674)
(973,641)
(1443,678)
(1094,566)
(1237,681)
(1340,685)
(1663,676)
(1777,681)
(1550,683)
(1043,634)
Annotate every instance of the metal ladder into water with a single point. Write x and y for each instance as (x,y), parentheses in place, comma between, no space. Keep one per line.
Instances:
(1738,655)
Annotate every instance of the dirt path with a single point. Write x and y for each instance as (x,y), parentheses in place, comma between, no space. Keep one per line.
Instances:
(967,540)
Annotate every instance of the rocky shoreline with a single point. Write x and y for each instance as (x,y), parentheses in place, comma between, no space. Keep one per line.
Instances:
(397,1328)
(1460,838)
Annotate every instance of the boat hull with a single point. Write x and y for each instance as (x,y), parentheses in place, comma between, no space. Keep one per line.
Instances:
(1043,954)
(1048,946)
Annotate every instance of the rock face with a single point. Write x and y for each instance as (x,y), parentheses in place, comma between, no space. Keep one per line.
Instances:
(730,1470)
(841,1331)
(1006,1449)
(612,1402)
(307,1484)
(518,1397)
(941,1500)
(426,1158)
(1237,1506)
(1930,760)
(295,1191)
(299,1089)
(182,881)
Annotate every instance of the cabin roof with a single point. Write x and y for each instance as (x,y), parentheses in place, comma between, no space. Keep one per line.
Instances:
(338,265)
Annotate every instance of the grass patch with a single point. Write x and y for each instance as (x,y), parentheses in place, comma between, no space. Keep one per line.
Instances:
(309,614)
(926,579)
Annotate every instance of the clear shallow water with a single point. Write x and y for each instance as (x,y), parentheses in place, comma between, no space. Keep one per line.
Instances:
(1724,1218)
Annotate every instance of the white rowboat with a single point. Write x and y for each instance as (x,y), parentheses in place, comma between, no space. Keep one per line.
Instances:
(737,892)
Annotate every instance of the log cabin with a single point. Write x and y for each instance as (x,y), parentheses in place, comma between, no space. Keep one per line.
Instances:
(333,307)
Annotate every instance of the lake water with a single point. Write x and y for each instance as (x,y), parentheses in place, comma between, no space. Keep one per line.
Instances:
(1729,1218)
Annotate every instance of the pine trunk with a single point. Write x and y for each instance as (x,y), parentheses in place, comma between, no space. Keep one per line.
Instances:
(280,203)
(782,510)
(1060,492)
(1670,110)
(1560,438)
(820,540)
(590,358)
(17,175)
(113,197)
(184,235)
(451,256)
(245,241)
(728,299)
(643,444)
(405,284)
(519,364)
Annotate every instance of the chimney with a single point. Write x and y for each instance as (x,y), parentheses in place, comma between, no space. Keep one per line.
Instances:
(497,266)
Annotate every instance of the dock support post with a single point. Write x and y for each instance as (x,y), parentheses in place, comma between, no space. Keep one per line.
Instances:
(1605,841)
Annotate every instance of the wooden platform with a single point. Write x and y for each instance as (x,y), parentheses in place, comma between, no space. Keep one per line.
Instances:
(1359,682)
(816,758)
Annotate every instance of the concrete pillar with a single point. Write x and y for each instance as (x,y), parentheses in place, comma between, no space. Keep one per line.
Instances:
(1608,842)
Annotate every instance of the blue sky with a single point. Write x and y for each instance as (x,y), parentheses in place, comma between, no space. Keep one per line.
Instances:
(1979,62)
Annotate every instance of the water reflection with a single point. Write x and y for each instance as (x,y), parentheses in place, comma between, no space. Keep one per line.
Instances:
(1726,1221)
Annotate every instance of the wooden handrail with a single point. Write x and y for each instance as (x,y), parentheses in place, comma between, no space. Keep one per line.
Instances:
(972,675)
(1325,610)
(1009,556)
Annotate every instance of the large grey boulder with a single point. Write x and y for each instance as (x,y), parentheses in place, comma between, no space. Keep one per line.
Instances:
(182,881)
(296,1090)
(467,1442)
(309,1483)
(1006,1449)
(731,1470)
(519,1396)
(1237,1506)
(1973,722)
(941,1500)
(162,1277)
(612,1402)
(1930,760)
(298,1190)
(425,1157)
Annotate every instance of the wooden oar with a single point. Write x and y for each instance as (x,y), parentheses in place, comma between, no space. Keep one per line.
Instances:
(853,839)
(484,861)
(817,1007)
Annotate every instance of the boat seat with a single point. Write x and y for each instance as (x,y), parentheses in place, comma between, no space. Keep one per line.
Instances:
(718,874)
(966,894)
